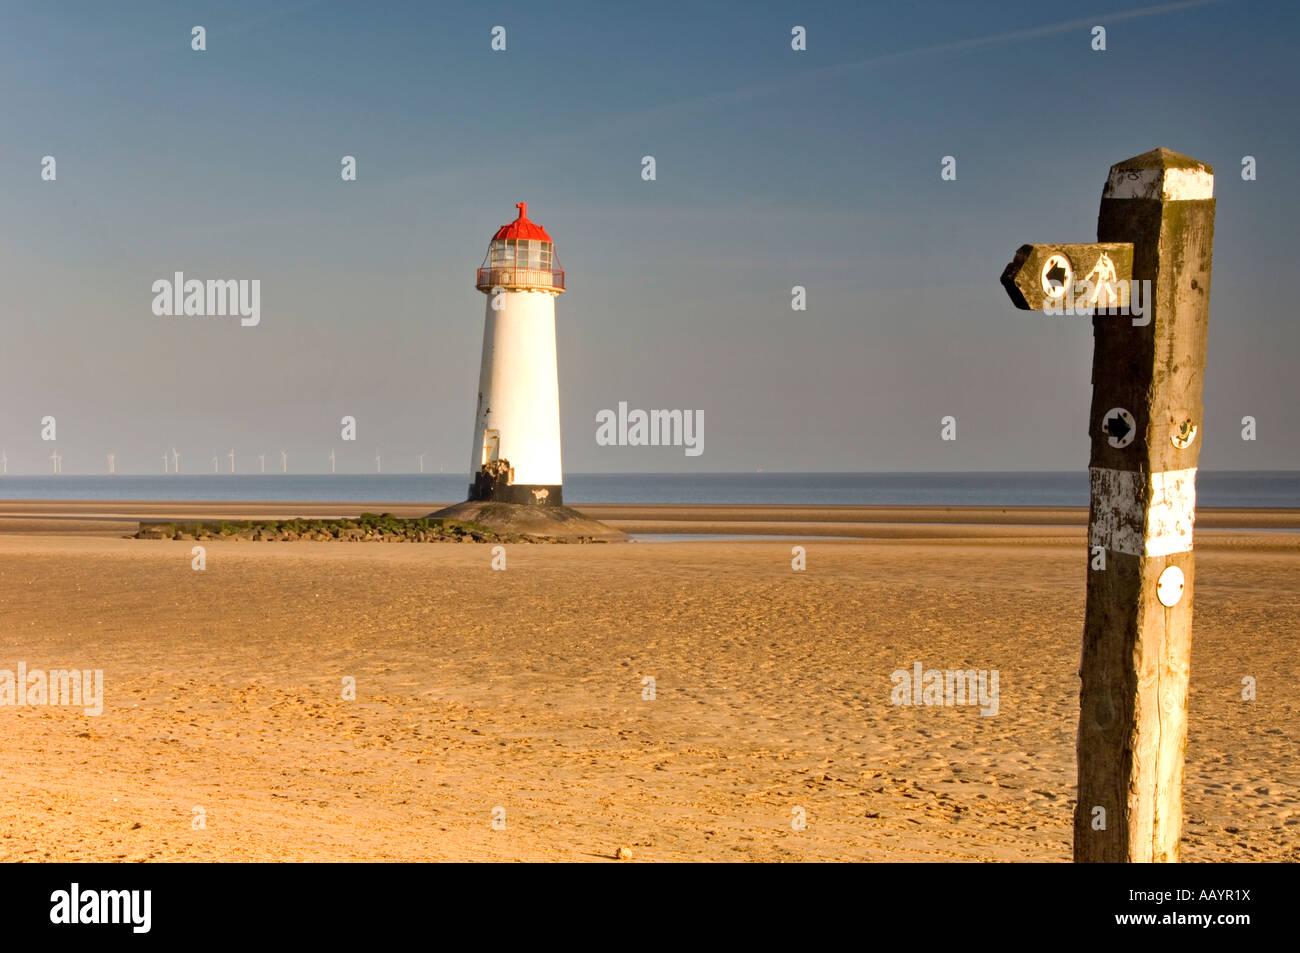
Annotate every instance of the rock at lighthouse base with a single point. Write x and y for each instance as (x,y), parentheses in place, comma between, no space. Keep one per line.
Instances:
(523,518)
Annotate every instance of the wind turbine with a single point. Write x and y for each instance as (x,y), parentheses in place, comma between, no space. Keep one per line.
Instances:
(284,462)
(4,462)
(379,467)
(164,456)
(57,461)
(421,458)
(331,461)
(112,468)
(214,464)
(176,461)
(231,455)
(261,457)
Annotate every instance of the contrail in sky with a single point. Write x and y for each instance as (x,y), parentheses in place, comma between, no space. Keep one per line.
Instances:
(637,120)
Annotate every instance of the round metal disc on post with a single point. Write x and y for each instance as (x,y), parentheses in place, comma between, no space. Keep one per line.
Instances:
(1169,587)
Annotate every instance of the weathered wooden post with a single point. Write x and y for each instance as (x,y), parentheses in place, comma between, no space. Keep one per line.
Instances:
(1156,225)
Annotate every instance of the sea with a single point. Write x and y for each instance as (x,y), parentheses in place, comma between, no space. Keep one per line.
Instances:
(1227,488)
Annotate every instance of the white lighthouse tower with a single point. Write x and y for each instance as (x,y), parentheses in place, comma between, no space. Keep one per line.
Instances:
(516,453)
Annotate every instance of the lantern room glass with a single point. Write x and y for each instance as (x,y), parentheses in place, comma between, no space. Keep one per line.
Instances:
(523,261)
(520,253)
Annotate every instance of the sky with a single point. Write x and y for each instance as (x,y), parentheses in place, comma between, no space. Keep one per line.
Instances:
(774,168)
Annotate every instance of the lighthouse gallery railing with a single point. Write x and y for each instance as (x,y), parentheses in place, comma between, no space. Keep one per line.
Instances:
(506,277)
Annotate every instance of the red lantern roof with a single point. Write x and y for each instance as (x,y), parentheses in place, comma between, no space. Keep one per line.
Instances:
(521,227)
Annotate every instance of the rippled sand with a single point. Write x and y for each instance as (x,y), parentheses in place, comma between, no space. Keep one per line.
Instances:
(522,689)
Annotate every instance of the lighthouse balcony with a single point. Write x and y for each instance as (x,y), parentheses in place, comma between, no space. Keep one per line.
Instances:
(509,277)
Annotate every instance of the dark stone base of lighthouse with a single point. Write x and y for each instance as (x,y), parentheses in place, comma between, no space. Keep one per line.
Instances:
(484,489)
(537,510)
(554,520)
(495,481)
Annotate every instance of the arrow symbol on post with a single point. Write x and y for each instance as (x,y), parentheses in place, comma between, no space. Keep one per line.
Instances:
(1056,274)
(1119,427)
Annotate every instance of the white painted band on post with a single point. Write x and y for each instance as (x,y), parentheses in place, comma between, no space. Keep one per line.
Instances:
(1173,185)
(1119,523)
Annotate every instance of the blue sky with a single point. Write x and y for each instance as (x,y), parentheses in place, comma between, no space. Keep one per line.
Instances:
(774,168)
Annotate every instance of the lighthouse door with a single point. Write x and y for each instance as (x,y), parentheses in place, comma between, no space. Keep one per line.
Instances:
(491,445)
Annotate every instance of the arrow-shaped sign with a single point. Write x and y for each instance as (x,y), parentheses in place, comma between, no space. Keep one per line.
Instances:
(1074,278)
(1117,427)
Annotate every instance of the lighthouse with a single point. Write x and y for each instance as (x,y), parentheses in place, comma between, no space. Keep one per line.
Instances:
(516,452)
(516,478)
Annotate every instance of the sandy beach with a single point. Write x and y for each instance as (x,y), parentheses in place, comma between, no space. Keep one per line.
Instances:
(523,689)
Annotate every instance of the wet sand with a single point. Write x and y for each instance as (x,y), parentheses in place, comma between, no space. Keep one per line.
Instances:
(523,689)
(118,517)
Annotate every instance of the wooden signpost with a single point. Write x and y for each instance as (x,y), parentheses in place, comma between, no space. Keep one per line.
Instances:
(1156,231)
